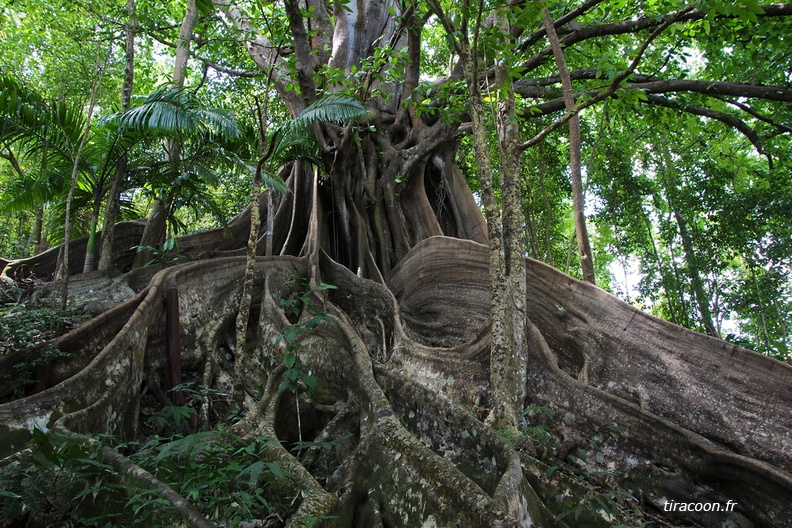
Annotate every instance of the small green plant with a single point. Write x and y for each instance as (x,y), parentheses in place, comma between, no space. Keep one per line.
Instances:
(63,480)
(167,254)
(307,315)
(57,482)
(225,476)
(29,334)
(26,329)
(172,416)
(540,435)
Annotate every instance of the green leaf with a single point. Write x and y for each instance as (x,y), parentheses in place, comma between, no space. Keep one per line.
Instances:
(291,375)
(276,470)
(328,109)
(310,381)
(205,6)
(4,493)
(289,360)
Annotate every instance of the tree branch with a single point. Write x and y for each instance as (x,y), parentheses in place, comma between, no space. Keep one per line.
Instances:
(604,94)
(761,117)
(723,117)
(772,93)
(540,34)
(634,26)
(584,246)
(9,156)
(653,84)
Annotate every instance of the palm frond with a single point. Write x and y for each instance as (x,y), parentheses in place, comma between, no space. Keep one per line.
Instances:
(219,122)
(165,110)
(176,112)
(329,109)
(296,149)
(272,181)
(294,141)
(25,194)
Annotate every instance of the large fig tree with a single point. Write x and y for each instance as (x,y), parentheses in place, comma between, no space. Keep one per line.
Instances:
(388,300)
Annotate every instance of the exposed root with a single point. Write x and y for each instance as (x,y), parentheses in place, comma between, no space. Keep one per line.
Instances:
(389,438)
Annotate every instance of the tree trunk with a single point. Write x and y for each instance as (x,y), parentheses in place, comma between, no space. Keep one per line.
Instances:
(38,231)
(578,198)
(114,193)
(90,249)
(154,234)
(76,157)
(691,258)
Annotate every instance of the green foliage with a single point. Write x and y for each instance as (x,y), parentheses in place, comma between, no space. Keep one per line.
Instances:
(176,112)
(26,329)
(328,109)
(57,482)
(537,433)
(44,135)
(29,335)
(302,307)
(172,415)
(64,480)
(225,476)
(294,140)
(166,255)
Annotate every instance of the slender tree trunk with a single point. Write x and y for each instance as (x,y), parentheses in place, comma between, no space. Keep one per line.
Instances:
(501,345)
(38,228)
(509,385)
(155,229)
(578,198)
(183,44)
(671,296)
(691,258)
(548,220)
(702,299)
(506,371)
(270,224)
(75,172)
(243,315)
(90,249)
(113,195)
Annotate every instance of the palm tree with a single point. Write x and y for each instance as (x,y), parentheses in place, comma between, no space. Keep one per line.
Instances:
(207,138)
(43,138)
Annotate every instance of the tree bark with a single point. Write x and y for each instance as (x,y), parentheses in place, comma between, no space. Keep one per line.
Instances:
(403,360)
(575,165)
(76,157)
(38,231)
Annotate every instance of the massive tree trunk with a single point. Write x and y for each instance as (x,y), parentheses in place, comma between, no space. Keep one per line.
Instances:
(402,358)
